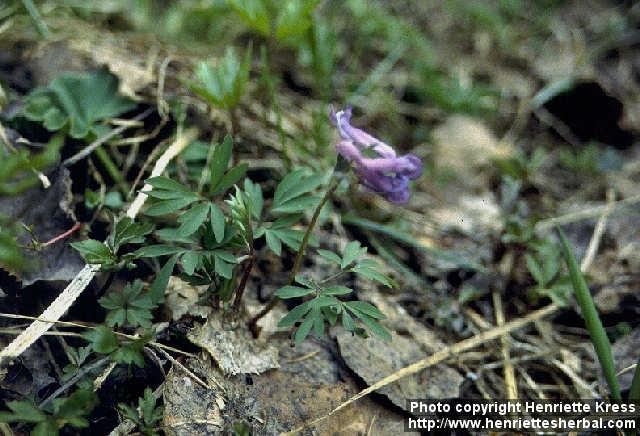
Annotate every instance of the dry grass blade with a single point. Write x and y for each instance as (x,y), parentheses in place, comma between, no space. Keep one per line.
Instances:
(437,358)
(66,298)
(509,373)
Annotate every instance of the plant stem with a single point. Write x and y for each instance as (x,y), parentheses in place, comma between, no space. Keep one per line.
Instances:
(592,320)
(112,169)
(253,323)
(243,281)
(37,18)
(634,390)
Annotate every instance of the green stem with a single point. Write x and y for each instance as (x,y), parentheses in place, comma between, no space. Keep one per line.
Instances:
(592,320)
(634,390)
(112,169)
(299,256)
(37,18)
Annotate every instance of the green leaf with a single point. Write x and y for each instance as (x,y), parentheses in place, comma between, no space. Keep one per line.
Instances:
(292,292)
(129,307)
(347,321)
(223,85)
(287,184)
(131,353)
(299,204)
(352,251)
(102,339)
(190,261)
(217,222)
(365,308)
(371,272)
(220,161)
(330,256)
(127,231)
(273,242)
(292,192)
(535,271)
(157,250)
(46,428)
(230,178)
(330,314)
(305,327)
(77,101)
(559,294)
(22,411)
(318,321)
(77,405)
(254,14)
(305,281)
(337,290)
(592,320)
(304,185)
(94,252)
(291,238)
(374,326)
(286,222)
(223,267)
(192,219)
(159,284)
(116,317)
(164,207)
(294,315)
(171,235)
(167,184)
(294,18)
(324,301)
(169,195)
(254,191)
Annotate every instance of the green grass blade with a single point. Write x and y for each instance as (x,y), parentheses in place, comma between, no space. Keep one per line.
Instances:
(454,258)
(592,320)
(634,390)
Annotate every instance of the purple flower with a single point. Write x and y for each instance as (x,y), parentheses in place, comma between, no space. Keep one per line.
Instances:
(375,163)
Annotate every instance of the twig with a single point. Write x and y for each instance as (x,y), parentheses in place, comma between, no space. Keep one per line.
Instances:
(437,358)
(101,140)
(586,213)
(66,298)
(601,225)
(97,383)
(73,380)
(189,373)
(245,277)
(85,326)
(55,239)
(174,149)
(509,374)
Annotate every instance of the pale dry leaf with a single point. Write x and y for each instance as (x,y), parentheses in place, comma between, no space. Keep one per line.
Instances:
(373,359)
(183,298)
(234,349)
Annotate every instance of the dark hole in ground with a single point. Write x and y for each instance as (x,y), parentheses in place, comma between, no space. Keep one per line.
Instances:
(591,114)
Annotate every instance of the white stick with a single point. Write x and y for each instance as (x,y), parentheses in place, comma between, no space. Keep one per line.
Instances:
(66,298)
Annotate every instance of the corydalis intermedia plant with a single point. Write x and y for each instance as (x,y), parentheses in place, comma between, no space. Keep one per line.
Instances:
(375,163)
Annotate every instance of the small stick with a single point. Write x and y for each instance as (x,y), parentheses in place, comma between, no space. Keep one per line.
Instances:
(69,232)
(601,225)
(73,380)
(437,358)
(101,140)
(509,374)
